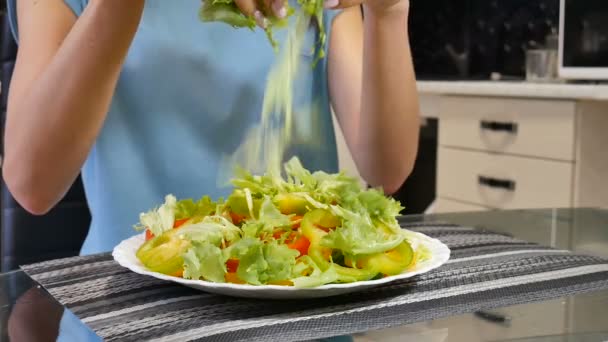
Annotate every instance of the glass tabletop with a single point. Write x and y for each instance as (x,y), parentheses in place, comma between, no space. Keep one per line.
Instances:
(29,313)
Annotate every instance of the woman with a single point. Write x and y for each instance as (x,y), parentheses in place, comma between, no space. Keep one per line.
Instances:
(145,99)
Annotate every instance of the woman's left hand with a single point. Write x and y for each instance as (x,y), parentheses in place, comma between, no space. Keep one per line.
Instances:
(377,6)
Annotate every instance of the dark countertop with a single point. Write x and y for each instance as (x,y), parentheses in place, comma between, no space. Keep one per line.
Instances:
(29,313)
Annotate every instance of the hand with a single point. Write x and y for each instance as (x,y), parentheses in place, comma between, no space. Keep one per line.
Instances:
(376,6)
(262,10)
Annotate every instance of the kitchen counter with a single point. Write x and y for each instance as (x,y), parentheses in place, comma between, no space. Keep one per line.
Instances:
(28,312)
(590,92)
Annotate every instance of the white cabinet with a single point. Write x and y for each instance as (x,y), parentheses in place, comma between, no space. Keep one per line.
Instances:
(501,152)
(536,128)
(503,181)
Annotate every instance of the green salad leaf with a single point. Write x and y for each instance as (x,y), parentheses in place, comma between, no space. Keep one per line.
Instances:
(159,220)
(260,262)
(359,237)
(204,261)
(226,11)
(188,208)
(215,230)
(301,228)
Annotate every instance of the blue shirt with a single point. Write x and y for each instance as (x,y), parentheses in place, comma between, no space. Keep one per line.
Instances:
(187,94)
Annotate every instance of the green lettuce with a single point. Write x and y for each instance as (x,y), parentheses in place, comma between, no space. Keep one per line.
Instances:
(269,219)
(260,262)
(367,226)
(187,208)
(316,276)
(215,230)
(204,261)
(159,220)
(226,11)
(358,237)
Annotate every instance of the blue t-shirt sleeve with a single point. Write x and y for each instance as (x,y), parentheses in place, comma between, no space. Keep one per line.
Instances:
(77,6)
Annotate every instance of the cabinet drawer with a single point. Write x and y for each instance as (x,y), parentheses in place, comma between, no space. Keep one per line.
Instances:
(522,127)
(502,181)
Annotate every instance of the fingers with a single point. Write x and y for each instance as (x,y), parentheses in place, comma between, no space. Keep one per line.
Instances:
(278,8)
(270,7)
(249,8)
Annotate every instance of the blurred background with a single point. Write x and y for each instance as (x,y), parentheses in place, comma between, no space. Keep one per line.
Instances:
(514,104)
(514,107)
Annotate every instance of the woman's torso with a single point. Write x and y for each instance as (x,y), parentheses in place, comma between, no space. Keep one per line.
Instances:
(186,96)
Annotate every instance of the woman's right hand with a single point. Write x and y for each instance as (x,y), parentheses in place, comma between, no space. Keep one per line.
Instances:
(250,8)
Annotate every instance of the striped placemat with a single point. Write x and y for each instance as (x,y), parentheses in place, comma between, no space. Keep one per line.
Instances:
(486,270)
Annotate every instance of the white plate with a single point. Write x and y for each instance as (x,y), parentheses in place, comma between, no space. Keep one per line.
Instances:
(124,254)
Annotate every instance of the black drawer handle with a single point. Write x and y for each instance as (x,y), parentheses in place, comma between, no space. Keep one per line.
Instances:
(509,127)
(505,184)
(493,317)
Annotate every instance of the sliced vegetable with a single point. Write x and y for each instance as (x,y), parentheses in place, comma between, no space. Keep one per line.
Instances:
(232,265)
(314,225)
(204,261)
(307,230)
(390,263)
(291,204)
(299,243)
(163,254)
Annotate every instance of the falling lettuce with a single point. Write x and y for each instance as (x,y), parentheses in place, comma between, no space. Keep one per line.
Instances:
(226,11)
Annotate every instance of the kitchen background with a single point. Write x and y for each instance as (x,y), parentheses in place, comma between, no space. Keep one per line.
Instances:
(458,47)
(471,39)
(490,139)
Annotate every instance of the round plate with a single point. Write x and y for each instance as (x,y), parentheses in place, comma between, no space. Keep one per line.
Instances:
(124,254)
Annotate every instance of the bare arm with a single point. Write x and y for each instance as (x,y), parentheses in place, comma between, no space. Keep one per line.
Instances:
(63,83)
(371,61)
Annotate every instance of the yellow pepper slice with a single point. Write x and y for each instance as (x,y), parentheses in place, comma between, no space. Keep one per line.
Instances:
(392,262)
(164,254)
(291,204)
(313,227)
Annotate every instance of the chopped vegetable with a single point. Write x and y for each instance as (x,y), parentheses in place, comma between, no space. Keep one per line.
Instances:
(304,230)
(226,11)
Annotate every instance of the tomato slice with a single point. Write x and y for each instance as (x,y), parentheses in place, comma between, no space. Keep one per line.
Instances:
(176,224)
(232,265)
(179,223)
(237,218)
(281,283)
(233,278)
(299,243)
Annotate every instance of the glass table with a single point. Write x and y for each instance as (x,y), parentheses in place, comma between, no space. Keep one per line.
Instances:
(29,313)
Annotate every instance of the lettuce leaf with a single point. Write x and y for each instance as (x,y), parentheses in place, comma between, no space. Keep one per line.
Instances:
(226,11)
(269,219)
(215,230)
(187,208)
(316,277)
(270,215)
(358,237)
(204,261)
(160,219)
(260,263)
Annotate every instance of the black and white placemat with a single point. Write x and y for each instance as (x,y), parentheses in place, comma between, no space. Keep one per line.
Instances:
(486,270)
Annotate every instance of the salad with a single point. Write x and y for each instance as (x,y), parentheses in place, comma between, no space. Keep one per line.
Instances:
(304,230)
(227,11)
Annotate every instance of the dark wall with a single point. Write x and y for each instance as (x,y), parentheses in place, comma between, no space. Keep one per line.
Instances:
(470,39)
